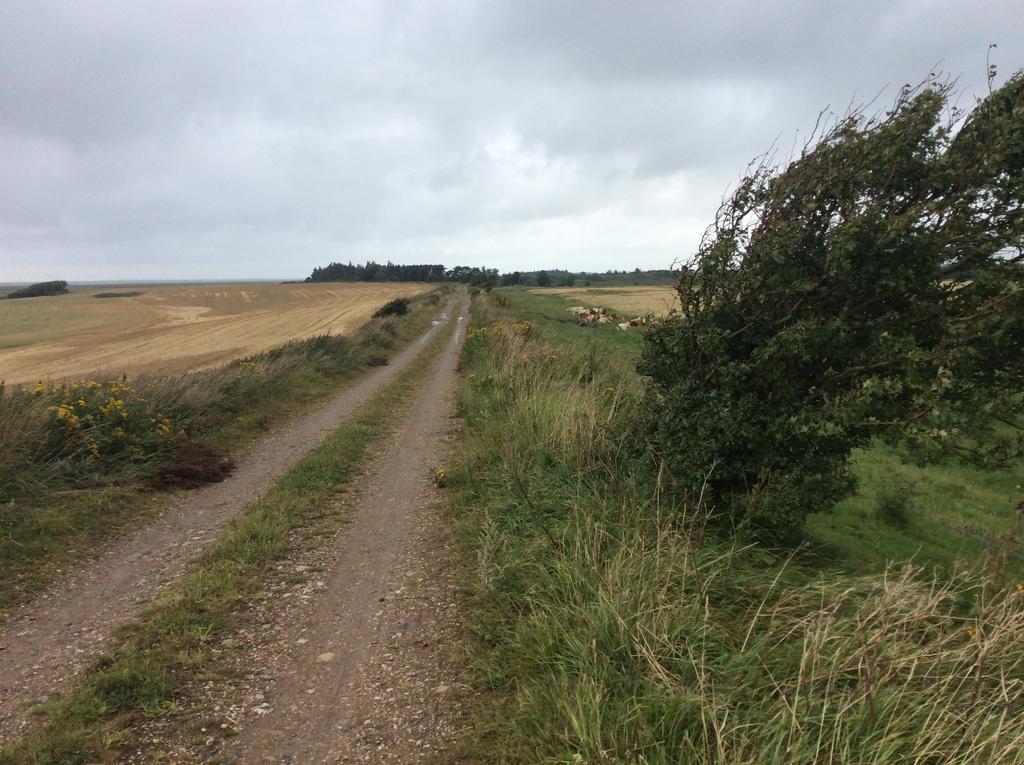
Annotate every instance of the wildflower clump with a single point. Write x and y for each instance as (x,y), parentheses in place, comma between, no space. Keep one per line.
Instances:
(93,420)
(523,327)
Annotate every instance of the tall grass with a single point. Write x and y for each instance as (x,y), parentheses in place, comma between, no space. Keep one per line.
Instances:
(23,424)
(611,628)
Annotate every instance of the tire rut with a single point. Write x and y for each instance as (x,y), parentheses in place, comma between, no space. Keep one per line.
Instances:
(372,676)
(47,642)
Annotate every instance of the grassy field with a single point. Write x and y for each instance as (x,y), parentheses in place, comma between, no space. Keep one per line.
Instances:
(168,329)
(610,626)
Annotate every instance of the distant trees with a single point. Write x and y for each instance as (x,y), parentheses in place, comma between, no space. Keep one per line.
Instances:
(40,289)
(395,272)
(378,272)
(872,288)
(479,277)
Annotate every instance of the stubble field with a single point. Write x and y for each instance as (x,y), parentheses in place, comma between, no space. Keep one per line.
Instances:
(624,301)
(173,328)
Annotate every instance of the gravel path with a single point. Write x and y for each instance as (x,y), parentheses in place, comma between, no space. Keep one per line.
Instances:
(47,642)
(361,666)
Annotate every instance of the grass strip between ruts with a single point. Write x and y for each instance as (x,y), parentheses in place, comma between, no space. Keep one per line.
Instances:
(168,644)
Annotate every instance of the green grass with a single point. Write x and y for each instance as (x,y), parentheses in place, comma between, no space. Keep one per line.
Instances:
(610,627)
(40,539)
(170,644)
(49,519)
(959,515)
(562,328)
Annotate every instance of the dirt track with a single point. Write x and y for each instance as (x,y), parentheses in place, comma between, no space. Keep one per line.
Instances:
(46,643)
(364,672)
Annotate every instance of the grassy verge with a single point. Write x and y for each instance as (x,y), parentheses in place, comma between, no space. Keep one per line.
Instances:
(170,644)
(611,629)
(953,515)
(58,500)
(947,515)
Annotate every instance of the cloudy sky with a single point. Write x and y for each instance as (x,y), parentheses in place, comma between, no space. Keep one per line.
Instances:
(151,140)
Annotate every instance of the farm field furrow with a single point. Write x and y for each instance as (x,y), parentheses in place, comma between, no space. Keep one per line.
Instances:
(171,329)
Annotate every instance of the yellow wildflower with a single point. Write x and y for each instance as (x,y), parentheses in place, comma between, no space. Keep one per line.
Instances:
(40,388)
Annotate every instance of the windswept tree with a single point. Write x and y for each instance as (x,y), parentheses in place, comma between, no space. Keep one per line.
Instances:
(871,288)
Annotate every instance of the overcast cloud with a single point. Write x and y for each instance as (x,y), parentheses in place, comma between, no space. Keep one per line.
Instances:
(247,139)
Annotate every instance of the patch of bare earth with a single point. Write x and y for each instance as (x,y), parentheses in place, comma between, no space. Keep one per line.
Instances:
(352,655)
(45,644)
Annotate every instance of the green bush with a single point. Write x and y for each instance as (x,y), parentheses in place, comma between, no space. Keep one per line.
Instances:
(894,501)
(873,287)
(396,307)
(40,290)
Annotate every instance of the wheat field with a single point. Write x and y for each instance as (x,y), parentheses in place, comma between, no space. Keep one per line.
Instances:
(169,329)
(624,301)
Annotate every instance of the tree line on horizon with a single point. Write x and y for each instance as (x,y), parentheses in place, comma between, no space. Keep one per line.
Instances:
(397,272)
(482,277)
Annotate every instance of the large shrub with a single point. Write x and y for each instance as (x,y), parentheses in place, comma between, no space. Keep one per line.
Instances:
(397,307)
(40,289)
(872,287)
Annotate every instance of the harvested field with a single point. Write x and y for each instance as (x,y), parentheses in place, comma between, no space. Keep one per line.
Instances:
(624,301)
(174,328)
